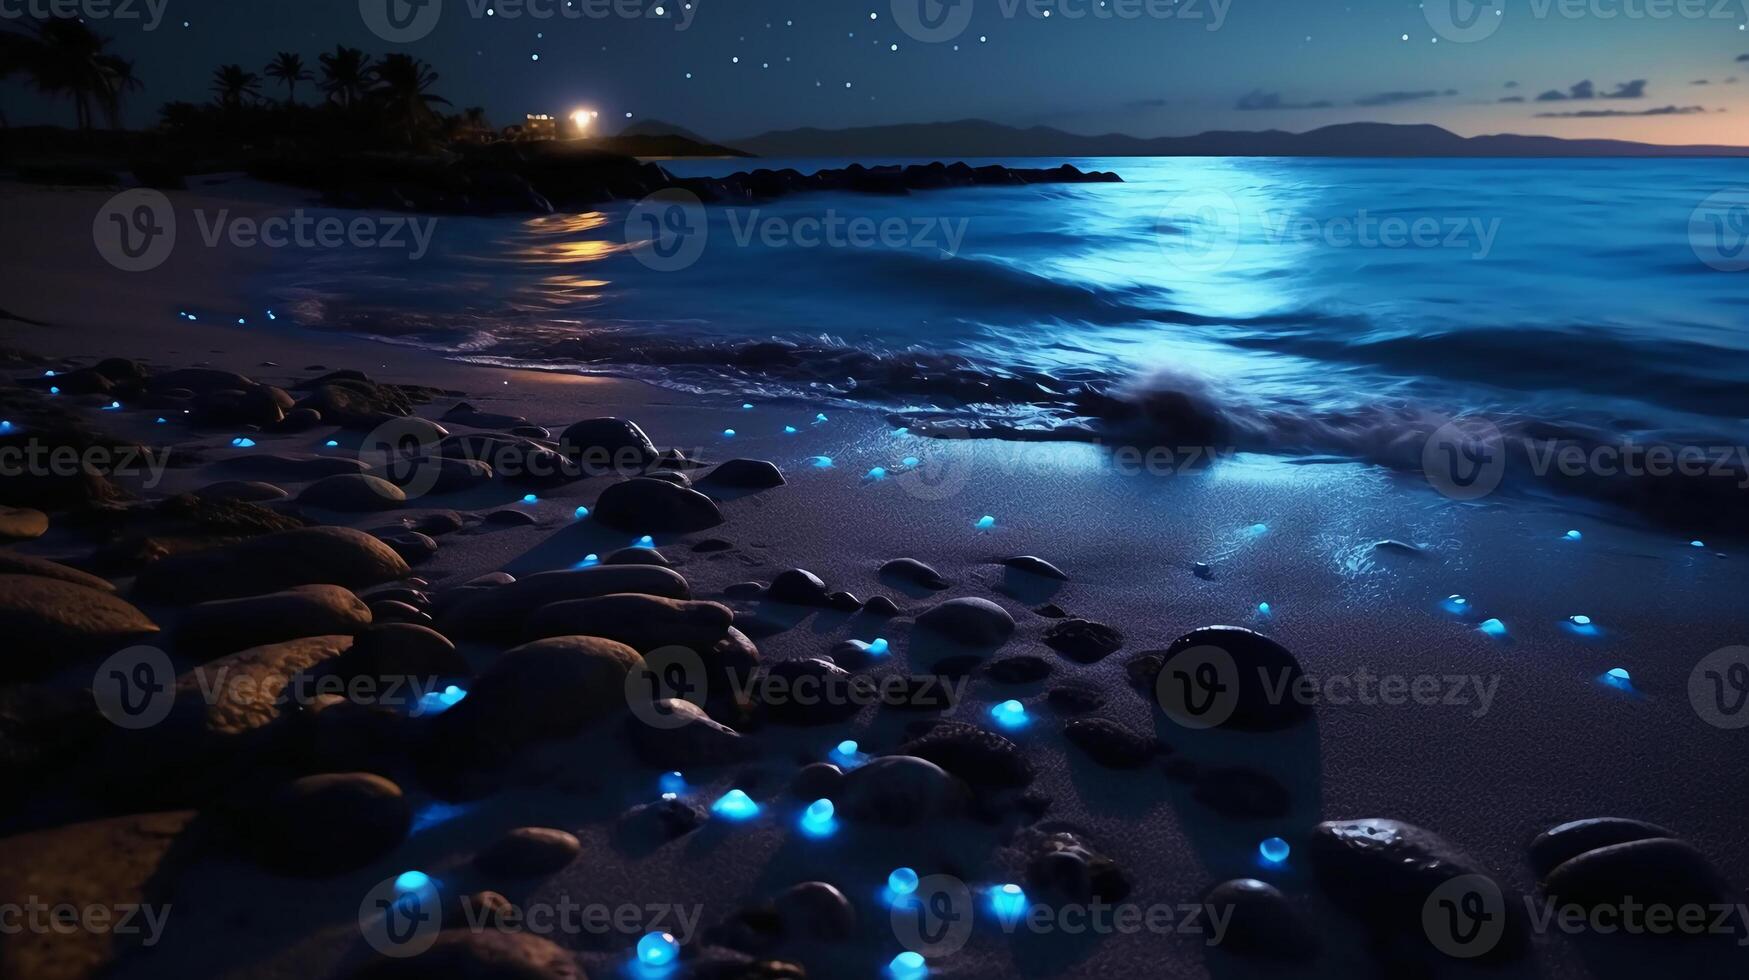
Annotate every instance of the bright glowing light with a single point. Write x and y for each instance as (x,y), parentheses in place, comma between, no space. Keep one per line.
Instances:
(847,754)
(581,119)
(910,461)
(646,542)
(985,523)
(1009,714)
(908,965)
(818,820)
(1697,543)
(412,881)
(1274,850)
(821,462)
(903,881)
(1263,608)
(728,432)
(1493,627)
(590,559)
(789,430)
(1008,902)
(735,805)
(1618,676)
(581,513)
(54,390)
(1580,620)
(160,421)
(437,702)
(821,417)
(243,442)
(1456,604)
(877,473)
(529,498)
(331,443)
(658,949)
(1572,535)
(746,404)
(671,782)
(878,646)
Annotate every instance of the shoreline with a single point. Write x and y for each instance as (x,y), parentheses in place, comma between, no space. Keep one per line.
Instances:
(1303,539)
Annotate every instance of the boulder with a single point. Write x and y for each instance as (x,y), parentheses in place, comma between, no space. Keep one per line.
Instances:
(329,823)
(502,611)
(289,466)
(272,563)
(971,621)
(746,474)
(1562,843)
(687,737)
(655,506)
(543,689)
(12,563)
(528,851)
(608,445)
(897,789)
(223,626)
(22,523)
(49,623)
(642,622)
(352,493)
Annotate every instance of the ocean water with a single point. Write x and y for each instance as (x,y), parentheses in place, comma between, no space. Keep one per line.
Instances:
(1314,308)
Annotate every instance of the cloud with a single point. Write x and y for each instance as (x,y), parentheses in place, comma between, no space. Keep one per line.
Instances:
(1145,104)
(1743,57)
(1580,90)
(1396,98)
(1669,110)
(1701,81)
(1635,89)
(1257,99)
(1511,84)
(1513,98)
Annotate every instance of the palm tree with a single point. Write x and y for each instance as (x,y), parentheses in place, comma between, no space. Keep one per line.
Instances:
(62,56)
(401,83)
(289,69)
(232,84)
(346,74)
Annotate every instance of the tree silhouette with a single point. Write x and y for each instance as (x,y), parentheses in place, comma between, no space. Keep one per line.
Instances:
(346,75)
(401,84)
(232,85)
(63,57)
(289,69)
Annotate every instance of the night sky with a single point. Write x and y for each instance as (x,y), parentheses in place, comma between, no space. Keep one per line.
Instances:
(1657,70)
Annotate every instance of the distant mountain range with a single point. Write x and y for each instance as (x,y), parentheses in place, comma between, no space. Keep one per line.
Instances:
(981,138)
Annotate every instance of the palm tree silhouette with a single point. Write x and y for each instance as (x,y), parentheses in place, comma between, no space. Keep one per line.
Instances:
(289,69)
(346,74)
(232,84)
(64,57)
(401,83)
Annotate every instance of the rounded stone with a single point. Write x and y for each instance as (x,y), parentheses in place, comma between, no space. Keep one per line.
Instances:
(353,493)
(971,621)
(529,851)
(329,823)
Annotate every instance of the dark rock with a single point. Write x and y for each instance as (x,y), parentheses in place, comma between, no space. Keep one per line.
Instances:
(797,586)
(273,563)
(915,572)
(1023,669)
(899,790)
(976,755)
(843,601)
(1033,565)
(393,611)
(247,491)
(687,737)
(355,402)
(22,523)
(501,611)
(608,445)
(333,822)
(744,590)
(49,623)
(540,432)
(662,819)
(653,506)
(1111,744)
(420,475)
(12,563)
(817,780)
(299,420)
(1203,570)
(412,546)
(635,556)
(211,629)
(389,652)
(545,689)
(510,518)
(748,474)
(512,459)
(1562,843)
(642,622)
(1654,871)
(1051,610)
(1242,793)
(712,544)
(529,851)
(439,523)
(1083,640)
(352,492)
(1261,920)
(1256,669)
(1064,864)
(289,466)
(880,605)
(971,621)
(669,476)
(809,692)
(465,414)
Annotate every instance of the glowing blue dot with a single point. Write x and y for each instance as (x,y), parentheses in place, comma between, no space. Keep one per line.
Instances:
(192,317)
(412,881)
(160,421)
(789,430)
(1580,620)
(903,881)
(821,462)
(735,805)
(112,406)
(1456,604)
(985,523)
(331,443)
(1009,714)
(1274,850)
(437,702)
(728,432)
(847,754)
(1618,674)
(878,646)
(658,949)
(911,461)
(1258,528)
(671,782)
(821,417)
(240,321)
(903,430)
(908,965)
(1573,535)
(878,473)
(646,542)
(1493,627)
(1263,608)
(746,404)
(580,513)
(1697,543)
(1008,901)
(818,820)
(48,374)
(53,390)
(590,559)
(6,426)
(847,747)
(270,315)
(529,498)
(243,442)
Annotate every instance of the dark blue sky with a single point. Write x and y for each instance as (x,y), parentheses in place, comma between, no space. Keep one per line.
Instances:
(1657,70)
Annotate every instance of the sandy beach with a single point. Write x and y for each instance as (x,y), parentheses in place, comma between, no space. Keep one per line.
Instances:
(1416,714)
